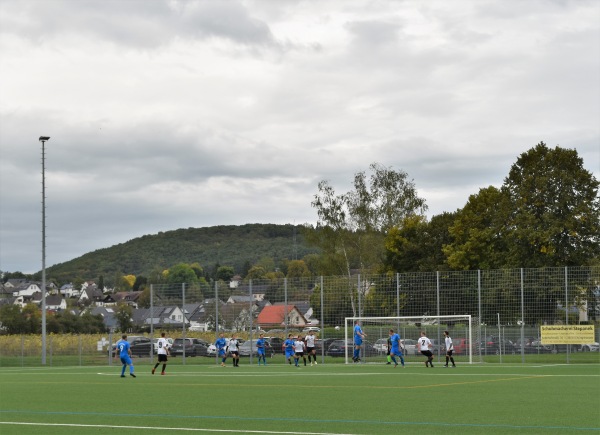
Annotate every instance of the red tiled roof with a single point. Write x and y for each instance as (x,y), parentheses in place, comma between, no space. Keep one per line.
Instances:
(274,314)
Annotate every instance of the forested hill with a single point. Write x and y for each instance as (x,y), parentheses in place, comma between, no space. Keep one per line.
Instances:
(229,245)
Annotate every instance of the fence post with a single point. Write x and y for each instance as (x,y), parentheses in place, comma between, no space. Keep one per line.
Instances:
(522,319)
(567,309)
(285,310)
(479,322)
(183,322)
(251,322)
(151,310)
(322,325)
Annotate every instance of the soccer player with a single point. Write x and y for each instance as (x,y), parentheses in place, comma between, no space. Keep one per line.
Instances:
(389,349)
(288,347)
(124,349)
(234,350)
(221,346)
(424,344)
(449,349)
(358,338)
(299,351)
(260,349)
(395,348)
(310,347)
(162,352)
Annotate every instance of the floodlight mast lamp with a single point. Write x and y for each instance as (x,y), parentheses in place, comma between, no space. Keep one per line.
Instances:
(43,140)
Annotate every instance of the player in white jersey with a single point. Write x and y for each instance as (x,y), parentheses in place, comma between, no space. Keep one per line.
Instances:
(449,349)
(425,348)
(299,351)
(162,352)
(310,347)
(234,350)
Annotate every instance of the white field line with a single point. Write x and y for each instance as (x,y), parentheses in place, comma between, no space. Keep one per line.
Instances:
(181,429)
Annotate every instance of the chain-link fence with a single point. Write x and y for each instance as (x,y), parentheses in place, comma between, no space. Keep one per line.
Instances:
(507,307)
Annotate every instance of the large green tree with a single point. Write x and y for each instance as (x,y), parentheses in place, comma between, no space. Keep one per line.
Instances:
(416,245)
(479,232)
(555,209)
(351,227)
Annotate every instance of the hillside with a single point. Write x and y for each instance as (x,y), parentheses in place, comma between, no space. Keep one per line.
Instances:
(224,245)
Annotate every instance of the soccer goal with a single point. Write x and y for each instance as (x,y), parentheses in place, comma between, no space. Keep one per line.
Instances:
(375,346)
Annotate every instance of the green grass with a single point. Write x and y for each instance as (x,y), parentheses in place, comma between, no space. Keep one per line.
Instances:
(325,399)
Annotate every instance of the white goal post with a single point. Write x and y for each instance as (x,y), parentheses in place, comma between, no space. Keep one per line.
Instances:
(374,349)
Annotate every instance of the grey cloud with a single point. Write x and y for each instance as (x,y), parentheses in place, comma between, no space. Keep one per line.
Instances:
(136,23)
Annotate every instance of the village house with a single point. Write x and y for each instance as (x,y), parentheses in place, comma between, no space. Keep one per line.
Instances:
(274,316)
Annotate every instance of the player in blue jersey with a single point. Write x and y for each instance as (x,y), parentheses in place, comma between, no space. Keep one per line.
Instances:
(221,346)
(260,349)
(395,348)
(288,347)
(124,350)
(358,338)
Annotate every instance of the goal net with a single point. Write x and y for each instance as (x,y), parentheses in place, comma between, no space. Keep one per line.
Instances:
(375,346)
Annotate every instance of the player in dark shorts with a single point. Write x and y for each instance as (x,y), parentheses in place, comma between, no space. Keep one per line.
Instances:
(310,347)
(424,347)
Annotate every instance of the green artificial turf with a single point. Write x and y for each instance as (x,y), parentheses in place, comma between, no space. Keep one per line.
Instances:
(283,399)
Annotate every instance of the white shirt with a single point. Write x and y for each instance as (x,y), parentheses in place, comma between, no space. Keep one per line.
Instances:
(299,346)
(424,343)
(233,345)
(163,345)
(310,341)
(449,345)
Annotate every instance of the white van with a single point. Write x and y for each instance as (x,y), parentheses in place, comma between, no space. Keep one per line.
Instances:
(312,328)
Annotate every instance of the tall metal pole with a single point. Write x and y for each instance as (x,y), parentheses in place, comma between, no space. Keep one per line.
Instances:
(43,139)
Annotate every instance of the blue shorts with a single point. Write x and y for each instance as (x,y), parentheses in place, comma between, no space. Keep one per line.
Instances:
(357,341)
(289,354)
(126,360)
(261,352)
(222,353)
(396,351)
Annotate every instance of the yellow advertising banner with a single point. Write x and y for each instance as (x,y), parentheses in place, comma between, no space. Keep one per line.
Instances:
(567,334)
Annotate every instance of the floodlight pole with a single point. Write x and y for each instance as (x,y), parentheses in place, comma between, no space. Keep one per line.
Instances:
(43,140)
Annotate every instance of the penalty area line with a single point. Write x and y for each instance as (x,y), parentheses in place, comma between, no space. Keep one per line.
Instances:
(182,429)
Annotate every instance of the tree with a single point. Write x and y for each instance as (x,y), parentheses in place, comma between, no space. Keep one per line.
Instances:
(479,233)
(297,269)
(140,283)
(555,209)
(225,273)
(12,320)
(123,317)
(351,227)
(129,280)
(256,272)
(182,273)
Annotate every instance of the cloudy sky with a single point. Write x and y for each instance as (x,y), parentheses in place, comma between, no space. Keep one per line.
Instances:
(167,114)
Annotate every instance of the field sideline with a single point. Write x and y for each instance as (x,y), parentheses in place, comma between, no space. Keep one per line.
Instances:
(328,399)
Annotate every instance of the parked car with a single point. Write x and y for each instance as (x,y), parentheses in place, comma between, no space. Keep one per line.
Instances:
(410,346)
(460,345)
(140,346)
(311,328)
(590,347)
(381,345)
(276,343)
(532,345)
(155,343)
(493,346)
(338,348)
(323,343)
(193,347)
(247,346)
